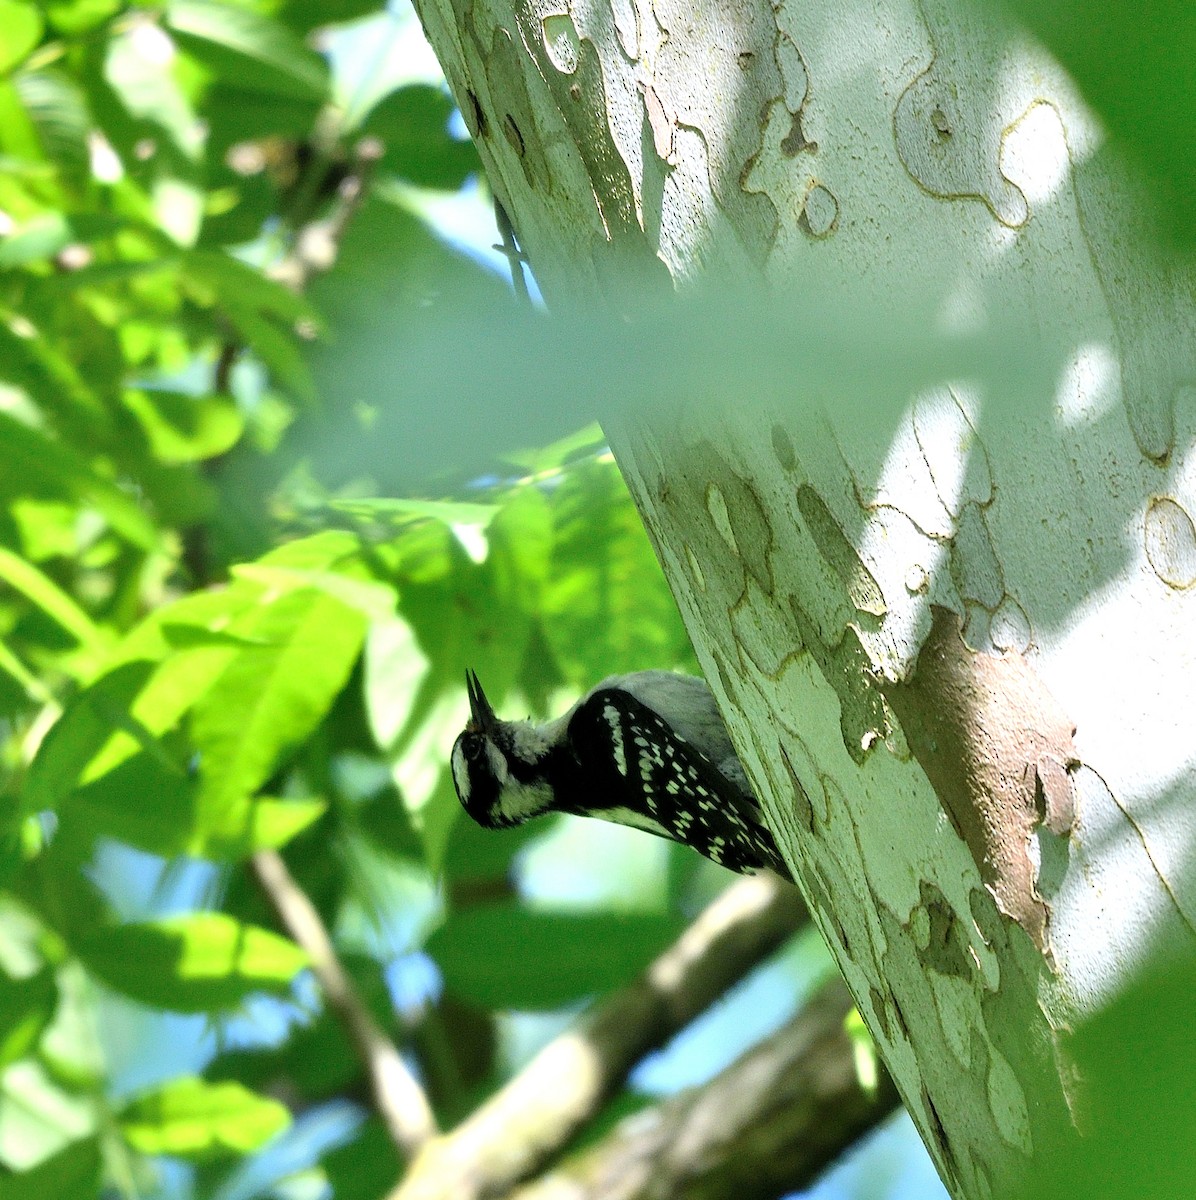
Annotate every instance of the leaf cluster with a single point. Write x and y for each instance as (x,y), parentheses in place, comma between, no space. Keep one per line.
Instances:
(215,640)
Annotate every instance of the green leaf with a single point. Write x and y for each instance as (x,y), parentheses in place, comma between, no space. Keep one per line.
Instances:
(149,92)
(203,619)
(149,802)
(393,276)
(42,591)
(373,600)
(413,126)
(385,821)
(329,550)
(521,552)
(257,823)
(193,1119)
(475,855)
(262,311)
(316,1059)
(569,450)
(607,608)
(32,462)
(58,112)
(273,694)
(20,30)
(38,1119)
(395,666)
(249,48)
(510,957)
(71,1174)
(25,679)
(237,114)
(18,138)
(39,238)
(26,1006)
(305,15)
(78,736)
(1134,1055)
(183,428)
(146,800)
(213,277)
(202,962)
(400,511)
(365,1166)
(73,17)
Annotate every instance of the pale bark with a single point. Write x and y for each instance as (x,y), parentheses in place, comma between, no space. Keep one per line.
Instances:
(766,1126)
(908,602)
(534,1116)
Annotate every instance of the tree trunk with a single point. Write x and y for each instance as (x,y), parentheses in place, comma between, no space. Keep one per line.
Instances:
(940,587)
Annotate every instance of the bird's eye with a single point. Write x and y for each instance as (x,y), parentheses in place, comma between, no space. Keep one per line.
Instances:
(473,747)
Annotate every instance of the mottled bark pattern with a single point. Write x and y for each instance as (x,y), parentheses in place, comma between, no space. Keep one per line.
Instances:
(907,589)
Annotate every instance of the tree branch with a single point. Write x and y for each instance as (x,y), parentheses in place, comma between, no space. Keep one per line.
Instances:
(398,1097)
(317,241)
(765,1126)
(519,1128)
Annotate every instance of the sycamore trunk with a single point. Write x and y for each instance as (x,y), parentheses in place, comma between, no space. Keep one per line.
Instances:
(943,603)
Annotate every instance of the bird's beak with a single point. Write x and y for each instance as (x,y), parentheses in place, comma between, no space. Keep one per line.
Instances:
(482,716)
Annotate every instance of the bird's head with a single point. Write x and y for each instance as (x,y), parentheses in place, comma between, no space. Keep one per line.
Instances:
(497,765)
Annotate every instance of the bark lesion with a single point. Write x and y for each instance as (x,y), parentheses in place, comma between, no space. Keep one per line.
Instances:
(998,750)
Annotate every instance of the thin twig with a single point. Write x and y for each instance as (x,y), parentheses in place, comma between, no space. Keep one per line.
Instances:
(765,1126)
(398,1097)
(532,1117)
(509,249)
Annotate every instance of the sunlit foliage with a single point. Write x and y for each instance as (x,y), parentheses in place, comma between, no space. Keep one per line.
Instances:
(215,636)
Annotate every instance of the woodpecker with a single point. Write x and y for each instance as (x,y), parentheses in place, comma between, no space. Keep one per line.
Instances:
(647,750)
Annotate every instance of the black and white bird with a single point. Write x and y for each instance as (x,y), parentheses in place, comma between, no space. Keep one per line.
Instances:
(647,750)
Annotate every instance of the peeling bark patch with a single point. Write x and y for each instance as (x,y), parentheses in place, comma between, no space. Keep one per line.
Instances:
(998,750)
(917,580)
(716,506)
(946,156)
(880,1012)
(955,1043)
(820,906)
(1170,538)
(726,681)
(752,536)
(782,448)
(512,134)
(846,666)
(1007,1103)
(504,69)
(820,212)
(588,125)
(802,808)
(839,554)
(695,570)
(939,1133)
(473,116)
(795,141)
(699,65)
(659,122)
(1009,629)
(946,949)
(561,42)
(902,1023)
